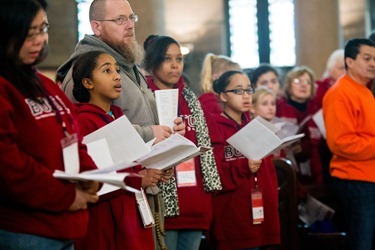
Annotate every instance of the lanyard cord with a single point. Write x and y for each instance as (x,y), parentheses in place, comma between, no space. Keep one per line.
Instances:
(58,114)
(238,126)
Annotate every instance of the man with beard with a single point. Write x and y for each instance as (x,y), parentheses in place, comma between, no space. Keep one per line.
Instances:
(112,22)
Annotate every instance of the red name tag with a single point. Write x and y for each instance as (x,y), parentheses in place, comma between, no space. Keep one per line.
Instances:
(257,206)
(186,174)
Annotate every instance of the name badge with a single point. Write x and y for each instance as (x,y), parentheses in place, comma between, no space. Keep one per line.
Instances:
(257,206)
(144,209)
(186,174)
(69,146)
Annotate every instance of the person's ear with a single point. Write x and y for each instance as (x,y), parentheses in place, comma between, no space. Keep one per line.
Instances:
(223,97)
(86,82)
(349,61)
(96,28)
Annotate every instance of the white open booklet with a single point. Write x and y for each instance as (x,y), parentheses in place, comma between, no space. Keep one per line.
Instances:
(118,146)
(259,139)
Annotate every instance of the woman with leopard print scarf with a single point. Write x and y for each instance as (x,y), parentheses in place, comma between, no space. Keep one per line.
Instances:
(188,196)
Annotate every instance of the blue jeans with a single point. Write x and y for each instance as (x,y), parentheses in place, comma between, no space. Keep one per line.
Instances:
(357,201)
(18,241)
(183,239)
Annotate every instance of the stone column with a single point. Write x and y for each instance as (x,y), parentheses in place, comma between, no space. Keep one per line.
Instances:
(151,18)
(317,32)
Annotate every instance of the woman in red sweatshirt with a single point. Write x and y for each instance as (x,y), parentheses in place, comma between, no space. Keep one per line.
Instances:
(188,201)
(115,222)
(298,107)
(234,225)
(37,124)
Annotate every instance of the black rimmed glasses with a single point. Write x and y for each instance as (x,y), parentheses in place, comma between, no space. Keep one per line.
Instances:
(122,19)
(36,31)
(239,91)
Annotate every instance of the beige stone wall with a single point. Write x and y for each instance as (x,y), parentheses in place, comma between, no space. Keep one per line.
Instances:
(151,18)
(317,32)
(63,33)
(200,25)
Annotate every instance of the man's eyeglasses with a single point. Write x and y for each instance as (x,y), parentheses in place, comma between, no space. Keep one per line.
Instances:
(299,81)
(122,19)
(249,91)
(43,29)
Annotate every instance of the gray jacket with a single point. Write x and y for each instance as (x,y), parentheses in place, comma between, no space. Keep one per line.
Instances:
(137,100)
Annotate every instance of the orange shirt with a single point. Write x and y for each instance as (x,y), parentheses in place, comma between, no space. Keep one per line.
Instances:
(349,116)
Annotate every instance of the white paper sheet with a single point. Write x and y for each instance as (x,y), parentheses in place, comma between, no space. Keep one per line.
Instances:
(319,121)
(99,152)
(286,127)
(167,103)
(257,141)
(313,210)
(123,140)
(116,179)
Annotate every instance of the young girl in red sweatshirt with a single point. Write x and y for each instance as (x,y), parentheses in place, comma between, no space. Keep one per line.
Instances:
(115,222)
(234,226)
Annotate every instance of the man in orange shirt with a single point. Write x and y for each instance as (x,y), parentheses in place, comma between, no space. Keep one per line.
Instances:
(349,116)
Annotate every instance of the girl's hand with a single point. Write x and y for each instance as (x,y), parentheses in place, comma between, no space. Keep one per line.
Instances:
(180,126)
(81,199)
(167,175)
(254,165)
(90,187)
(151,177)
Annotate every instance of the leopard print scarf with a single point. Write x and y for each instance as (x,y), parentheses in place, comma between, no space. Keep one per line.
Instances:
(211,179)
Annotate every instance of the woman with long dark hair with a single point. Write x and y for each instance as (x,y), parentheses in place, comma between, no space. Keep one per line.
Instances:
(38,135)
(188,196)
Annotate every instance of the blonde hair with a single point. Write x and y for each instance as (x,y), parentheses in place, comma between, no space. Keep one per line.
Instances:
(215,64)
(295,73)
(260,93)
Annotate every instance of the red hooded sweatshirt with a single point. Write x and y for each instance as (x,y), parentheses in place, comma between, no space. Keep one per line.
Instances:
(232,226)
(211,103)
(114,222)
(32,200)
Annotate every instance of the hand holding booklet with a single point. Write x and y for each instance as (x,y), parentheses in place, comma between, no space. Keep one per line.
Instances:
(259,139)
(171,152)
